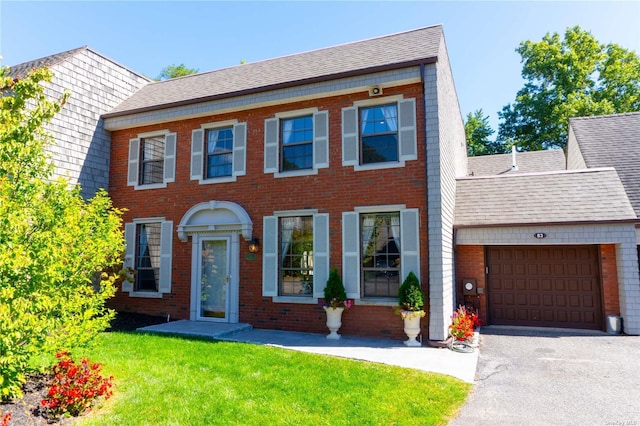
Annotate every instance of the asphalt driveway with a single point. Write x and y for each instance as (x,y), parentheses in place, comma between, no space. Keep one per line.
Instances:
(554,377)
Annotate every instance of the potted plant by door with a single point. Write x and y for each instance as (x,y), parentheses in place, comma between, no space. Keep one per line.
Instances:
(335,302)
(411,302)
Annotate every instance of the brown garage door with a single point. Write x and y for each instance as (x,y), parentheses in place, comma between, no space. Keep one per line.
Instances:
(548,286)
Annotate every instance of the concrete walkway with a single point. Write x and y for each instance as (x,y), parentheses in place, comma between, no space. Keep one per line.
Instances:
(391,352)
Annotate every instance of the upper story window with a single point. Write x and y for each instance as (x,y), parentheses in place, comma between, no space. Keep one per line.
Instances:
(219,159)
(296,142)
(379,133)
(218,152)
(296,255)
(152,160)
(148,253)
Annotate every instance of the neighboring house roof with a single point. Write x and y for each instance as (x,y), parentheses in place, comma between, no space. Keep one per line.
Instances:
(527,162)
(612,141)
(57,58)
(378,54)
(575,196)
(47,61)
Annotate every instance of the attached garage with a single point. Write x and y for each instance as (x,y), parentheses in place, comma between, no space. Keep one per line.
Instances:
(544,286)
(548,249)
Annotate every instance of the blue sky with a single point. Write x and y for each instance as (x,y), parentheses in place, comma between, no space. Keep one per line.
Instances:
(146,36)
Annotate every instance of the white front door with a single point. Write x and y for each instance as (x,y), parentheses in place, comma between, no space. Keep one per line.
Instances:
(213,279)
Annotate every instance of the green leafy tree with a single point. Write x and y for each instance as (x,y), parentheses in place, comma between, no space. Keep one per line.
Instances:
(572,77)
(174,71)
(478,132)
(54,245)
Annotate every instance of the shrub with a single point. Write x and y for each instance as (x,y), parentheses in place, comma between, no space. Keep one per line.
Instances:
(54,245)
(463,323)
(75,387)
(410,295)
(335,295)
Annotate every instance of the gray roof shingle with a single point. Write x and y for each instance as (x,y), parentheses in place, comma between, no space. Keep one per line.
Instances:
(410,47)
(612,141)
(22,69)
(527,162)
(590,195)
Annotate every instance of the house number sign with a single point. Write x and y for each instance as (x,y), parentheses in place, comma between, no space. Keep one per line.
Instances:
(540,235)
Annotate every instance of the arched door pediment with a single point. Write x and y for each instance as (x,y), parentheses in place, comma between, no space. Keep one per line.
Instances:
(215,217)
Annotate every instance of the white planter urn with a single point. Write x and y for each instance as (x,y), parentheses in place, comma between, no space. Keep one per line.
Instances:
(334,321)
(412,327)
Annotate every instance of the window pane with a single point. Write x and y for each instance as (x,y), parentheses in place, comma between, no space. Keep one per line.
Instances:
(297,143)
(380,248)
(152,160)
(219,152)
(147,262)
(379,134)
(296,256)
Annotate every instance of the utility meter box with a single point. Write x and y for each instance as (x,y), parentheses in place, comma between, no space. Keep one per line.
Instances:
(469,287)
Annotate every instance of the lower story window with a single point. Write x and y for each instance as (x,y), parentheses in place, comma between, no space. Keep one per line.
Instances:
(380,260)
(296,256)
(147,260)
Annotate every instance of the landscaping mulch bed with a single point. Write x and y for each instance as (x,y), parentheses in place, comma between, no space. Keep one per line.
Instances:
(28,411)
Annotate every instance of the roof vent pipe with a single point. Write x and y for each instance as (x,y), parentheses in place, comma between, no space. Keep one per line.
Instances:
(514,166)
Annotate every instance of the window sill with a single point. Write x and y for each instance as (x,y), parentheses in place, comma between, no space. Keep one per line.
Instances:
(378,166)
(146,294)
(150,186)
(294,173)
(291,299)
(224,179)
(377,302)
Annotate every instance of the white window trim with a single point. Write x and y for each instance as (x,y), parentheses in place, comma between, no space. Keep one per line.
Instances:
(145,294)
(369,103)
(210,126)
(388,208)
(303,300)
(294,114)
(152,134)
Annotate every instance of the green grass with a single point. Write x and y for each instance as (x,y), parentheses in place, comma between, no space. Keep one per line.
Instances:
(162,380)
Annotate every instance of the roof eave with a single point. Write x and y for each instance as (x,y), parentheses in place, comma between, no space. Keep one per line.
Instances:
(635,221)
(293,83)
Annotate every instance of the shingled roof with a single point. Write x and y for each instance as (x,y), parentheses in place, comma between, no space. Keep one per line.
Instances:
(357,58)
(612,141)
(47,61)
(527,162)
(575,196)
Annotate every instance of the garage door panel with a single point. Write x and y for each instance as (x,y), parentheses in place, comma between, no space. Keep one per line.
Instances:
(550,286)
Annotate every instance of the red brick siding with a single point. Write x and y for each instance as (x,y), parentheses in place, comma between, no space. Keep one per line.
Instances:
(609,268)
(334,190)
(470,263)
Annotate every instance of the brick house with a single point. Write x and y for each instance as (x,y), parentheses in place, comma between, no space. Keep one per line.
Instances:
(321,156)
(97,84)
(354,157)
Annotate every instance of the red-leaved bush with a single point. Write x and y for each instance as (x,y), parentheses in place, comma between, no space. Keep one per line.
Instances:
(4,421)
(463,322)
(75,387)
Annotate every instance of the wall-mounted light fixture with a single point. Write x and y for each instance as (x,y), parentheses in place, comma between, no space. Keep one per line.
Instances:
(253,245)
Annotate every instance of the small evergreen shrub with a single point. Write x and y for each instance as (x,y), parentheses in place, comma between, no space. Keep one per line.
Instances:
(410,295)
(335,295)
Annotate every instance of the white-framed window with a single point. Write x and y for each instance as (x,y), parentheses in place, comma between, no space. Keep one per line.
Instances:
(296,255)
(296,142)
(218,152)
(379,133)
(380,246)
(148,253)
(152,160)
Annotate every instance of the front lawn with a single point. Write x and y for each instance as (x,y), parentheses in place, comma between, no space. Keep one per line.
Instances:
(161,380)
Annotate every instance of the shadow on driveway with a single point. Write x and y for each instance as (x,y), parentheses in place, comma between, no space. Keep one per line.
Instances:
(554,377)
